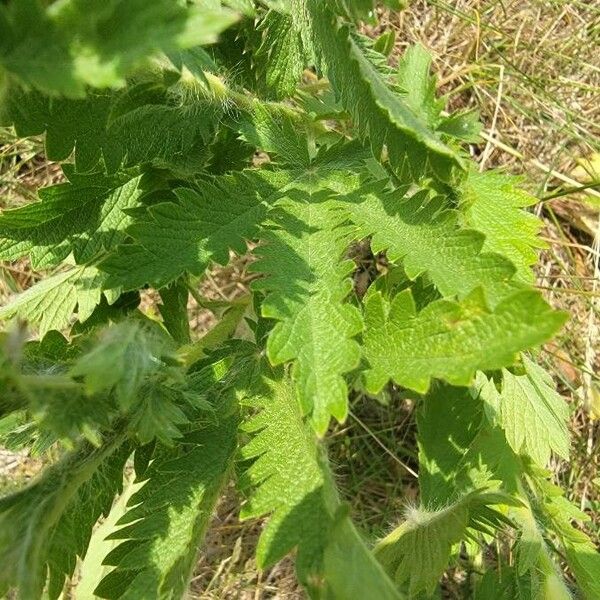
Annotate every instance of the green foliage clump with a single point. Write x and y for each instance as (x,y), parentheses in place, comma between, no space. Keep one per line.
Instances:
(188,130)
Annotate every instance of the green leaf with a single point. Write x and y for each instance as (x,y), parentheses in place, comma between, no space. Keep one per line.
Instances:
(91,570)
(417,85)
(558,514)
(448,422)
(307,285)
(294,486)
(292,480)
(494,205)
(424,234)
(584,560)
(85,217)
(506,582)
(67,46)
(276,129)
(532,414)
(450,340)
(379,112)
(50,304)
(460,450)
(159,416)
(174,310)
(186,236)
(385,43)
(68,123)
(48,524)
(169,515)
(464,126)
(280,57)
(218,335)
(39,401)
(419,89)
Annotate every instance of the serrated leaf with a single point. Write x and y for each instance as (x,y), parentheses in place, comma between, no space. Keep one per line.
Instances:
(85,217)
(91,570)
(493,204)
(168,516)
(450,340)
(417,85)
(464,126)
(448,422)
(174,310)
(459,450)
(379,112)
(424,234)
(419,89)
(294,486)
(174,238)
(350,569)
(47,525)
(168,136)
(276,129)
(558,514)
(280,57)
(584,561)
(159,417)
(293,483)
(530,543)
(307,283)
(68,123)
(533,415)
(51,303)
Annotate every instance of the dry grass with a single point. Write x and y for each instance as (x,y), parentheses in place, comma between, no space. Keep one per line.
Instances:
(531,68)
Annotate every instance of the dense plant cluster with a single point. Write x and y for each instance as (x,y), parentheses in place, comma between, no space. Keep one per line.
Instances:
(187,130)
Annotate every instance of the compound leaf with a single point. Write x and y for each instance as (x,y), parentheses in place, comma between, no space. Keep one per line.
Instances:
(85,217)
(425,235)
(494,205)
(532,414)
(50,304)
(450,340)
(168,516)
(47,525)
